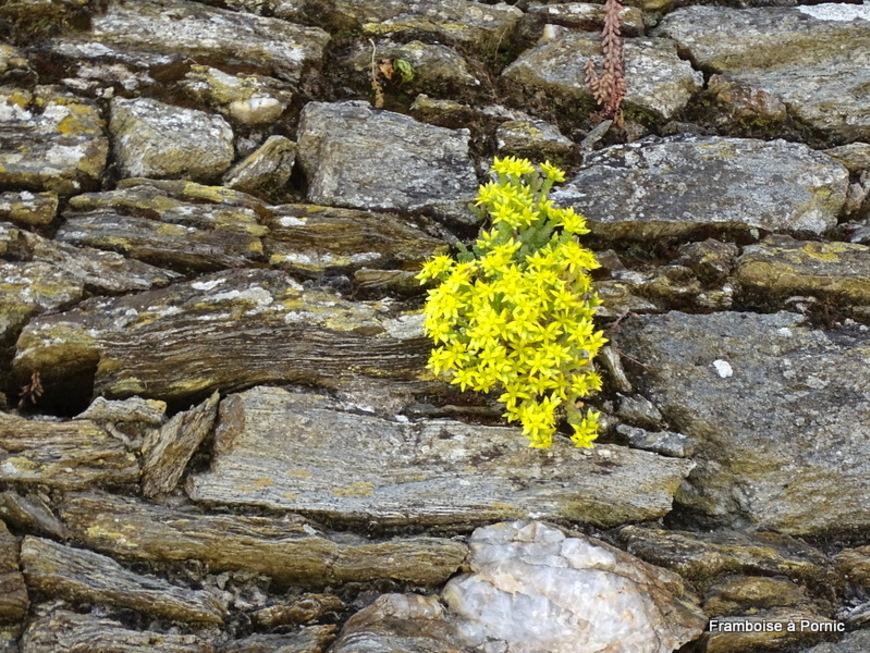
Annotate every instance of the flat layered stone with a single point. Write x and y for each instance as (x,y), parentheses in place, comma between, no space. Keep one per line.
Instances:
(418,165)
(312,238)
(27,289)
(704,557)
(79,575)
(65,455)
(94,271)
(28,208)
(154,139)
(349,467)
(50,141)
(462,21)
(62,630)
(288,549)
(266,171)
(224,331)
(681,186)
(811,58)
(658,82)
(177,225)
(167,450)
(780,413)
(310,639)
(779,267)
(14,601)
(159,32)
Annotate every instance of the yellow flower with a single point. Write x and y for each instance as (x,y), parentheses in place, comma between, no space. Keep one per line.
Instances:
(552,172)
(435,268)
(512,166)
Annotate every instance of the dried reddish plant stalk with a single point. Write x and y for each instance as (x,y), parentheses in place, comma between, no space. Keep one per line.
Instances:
(608,85)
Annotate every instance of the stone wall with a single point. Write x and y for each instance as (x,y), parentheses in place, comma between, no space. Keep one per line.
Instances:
(217,433)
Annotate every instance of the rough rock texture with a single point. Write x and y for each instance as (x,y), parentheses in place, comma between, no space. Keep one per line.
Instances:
(73,574)
(463,21)
(417,165)
(658,82)
(67,631)
(288,549)
(158,32)
(780,438)
(779,267)
(28,208)
(399,622)
(14,601)
(65,455)
(811,58)
(533,589)
(657,188)
(153,139)
(350,467)
(708,556)
(173,342)
(266,171)
(311,238)
(50,141)
(176,224)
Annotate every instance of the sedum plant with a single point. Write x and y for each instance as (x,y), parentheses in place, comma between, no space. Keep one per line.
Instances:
(515,313)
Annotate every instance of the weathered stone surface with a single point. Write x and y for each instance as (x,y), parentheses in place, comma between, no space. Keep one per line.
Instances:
(799,627)
(658,83)
(666,443)
(177,224)
(780,266)
(287,549)
(308,607)
(854,565)
(248,99)
(736,595)
(583,16)
(855,156)
(174,342)
(167,451)
(399,622)
(534,139)
(79,575)
(28,208)
(854,642)
(31,513)
(678,186)
(462,21)
(64,455)
(14,601)
(50,141)
(266,171)
(312,639)
(351,467)
(532,588)
(780,437)
(438,69)
(158,32)
(153,139)
(96,271)
(68,631)
(359,157)
(812,58)
(27,289)
(704,557)
(313,238)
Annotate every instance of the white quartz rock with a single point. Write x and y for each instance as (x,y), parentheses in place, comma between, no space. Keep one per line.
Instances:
(534,589)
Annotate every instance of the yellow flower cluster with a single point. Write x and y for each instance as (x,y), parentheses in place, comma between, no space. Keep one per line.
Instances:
(516,312)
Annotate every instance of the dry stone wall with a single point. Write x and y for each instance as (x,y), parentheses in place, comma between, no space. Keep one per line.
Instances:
(217,433)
